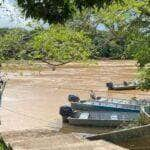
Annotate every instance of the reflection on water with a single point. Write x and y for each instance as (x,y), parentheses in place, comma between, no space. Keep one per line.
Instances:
(137,143)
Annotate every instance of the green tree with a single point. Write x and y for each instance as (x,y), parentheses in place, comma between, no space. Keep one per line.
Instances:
(140,46)
(139,38)
(144,77)
(133,20)
(55,11)
(116,19)
(12,43)
(15,43)
(127,33)
(61,44)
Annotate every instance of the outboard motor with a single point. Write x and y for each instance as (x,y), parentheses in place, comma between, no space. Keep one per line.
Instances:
(1,83)
(73,98)
(125,83)
(65,112)
(109,85)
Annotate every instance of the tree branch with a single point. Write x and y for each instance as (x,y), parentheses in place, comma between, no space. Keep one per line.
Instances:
(53,66)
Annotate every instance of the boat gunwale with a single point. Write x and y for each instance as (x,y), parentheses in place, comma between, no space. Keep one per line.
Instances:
(75,105)
(82,101)
(72,118)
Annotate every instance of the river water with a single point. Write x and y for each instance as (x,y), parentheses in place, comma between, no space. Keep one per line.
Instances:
(32,100)
(137,143)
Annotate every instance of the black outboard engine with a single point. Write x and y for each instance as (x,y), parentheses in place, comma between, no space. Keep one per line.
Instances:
(109,85)
(1,82)
(125,83)
(73,98)
(65,112)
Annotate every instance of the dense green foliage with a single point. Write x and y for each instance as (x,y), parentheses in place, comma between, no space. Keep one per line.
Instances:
(3,145)
(58,43)
(15,44)
(61,43)
(145,78)
(118,21)
(126,34)
(139,39)
(104,46)
(12,44)
(55,11)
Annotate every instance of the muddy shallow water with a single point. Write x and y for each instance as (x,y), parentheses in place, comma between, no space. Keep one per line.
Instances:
(32,101)
(137,143)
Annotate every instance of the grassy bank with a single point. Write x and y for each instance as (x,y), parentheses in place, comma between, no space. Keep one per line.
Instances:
(4,146)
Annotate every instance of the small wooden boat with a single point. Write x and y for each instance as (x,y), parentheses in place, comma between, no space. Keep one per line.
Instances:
(105,104)
(124,86)
(102,118)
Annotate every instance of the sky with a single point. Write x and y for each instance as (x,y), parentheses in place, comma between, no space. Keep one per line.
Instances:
(11,17)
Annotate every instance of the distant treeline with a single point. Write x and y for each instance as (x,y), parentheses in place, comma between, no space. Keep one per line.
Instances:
(18,44)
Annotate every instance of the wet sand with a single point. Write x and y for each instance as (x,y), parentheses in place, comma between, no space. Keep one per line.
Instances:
(32,101)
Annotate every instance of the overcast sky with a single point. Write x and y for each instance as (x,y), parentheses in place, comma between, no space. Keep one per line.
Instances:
(11,17)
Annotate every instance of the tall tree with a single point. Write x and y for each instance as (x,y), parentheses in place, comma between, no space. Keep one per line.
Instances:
(61,44)
(129,24)
(12,43)
(113,39)
(58,11)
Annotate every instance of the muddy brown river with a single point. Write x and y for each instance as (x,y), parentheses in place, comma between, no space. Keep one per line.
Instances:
(32,101)
(137,143)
